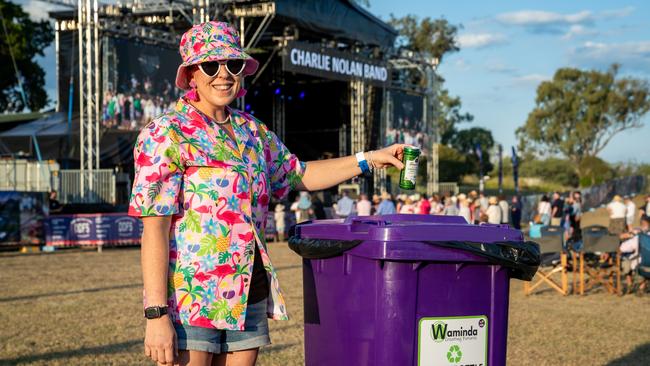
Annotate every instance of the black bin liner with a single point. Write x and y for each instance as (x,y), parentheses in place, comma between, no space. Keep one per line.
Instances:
(521,258)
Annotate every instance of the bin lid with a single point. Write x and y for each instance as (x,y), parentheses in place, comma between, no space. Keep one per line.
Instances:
(406,227)
(417,238)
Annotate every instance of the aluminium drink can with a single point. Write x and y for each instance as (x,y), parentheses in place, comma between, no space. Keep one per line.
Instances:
(409,173)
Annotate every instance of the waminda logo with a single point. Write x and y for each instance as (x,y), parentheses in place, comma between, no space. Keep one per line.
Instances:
(439,332)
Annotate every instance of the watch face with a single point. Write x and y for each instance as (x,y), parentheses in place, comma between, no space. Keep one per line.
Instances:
(152,313)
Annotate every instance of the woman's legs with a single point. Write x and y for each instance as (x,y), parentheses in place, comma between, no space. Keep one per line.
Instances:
(239,358)
(194,358)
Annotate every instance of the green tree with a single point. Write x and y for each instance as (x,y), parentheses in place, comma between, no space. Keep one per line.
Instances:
(448,115)
(25,39)
(452,164)
(579,112)
(433,38)
(428,37)
(465,141)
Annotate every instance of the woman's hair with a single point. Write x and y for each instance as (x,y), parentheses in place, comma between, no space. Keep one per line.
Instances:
(537,219)
(544,198)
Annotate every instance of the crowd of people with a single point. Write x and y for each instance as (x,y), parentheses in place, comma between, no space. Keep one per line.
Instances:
(475,208)
(137,104)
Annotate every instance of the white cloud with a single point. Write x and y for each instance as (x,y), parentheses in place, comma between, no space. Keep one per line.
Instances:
(542,18)
(461,64)
(38,10)
(529,80)
(501,68)
(578,30)
(480,40)
(617,13)
(633,55)
(570,25)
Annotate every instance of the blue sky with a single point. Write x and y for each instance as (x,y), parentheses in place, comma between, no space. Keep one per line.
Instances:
(509,47)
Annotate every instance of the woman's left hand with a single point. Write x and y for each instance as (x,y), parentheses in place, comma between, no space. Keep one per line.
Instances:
(388,156)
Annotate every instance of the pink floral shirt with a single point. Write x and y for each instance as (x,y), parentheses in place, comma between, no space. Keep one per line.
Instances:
(217,192)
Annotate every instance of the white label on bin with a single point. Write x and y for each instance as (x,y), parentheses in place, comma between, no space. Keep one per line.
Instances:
(457,341)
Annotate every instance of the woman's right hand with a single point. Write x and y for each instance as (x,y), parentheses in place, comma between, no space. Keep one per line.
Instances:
(160,342)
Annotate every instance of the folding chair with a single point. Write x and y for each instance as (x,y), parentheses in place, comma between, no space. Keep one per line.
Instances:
(644,265)
(550,245)
(597,240)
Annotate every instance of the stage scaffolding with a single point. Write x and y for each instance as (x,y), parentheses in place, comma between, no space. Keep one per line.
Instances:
(159,22)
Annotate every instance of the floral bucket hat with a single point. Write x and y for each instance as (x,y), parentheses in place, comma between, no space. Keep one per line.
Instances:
(211,41)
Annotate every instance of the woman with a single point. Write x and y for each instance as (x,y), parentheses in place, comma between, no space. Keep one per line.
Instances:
(204,173)
(493,211)
(544,210)
(463,208)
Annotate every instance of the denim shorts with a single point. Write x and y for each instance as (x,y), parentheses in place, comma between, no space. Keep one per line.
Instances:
(254,335)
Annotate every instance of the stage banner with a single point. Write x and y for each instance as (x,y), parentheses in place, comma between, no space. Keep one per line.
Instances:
(311,59)
(21,217)
(93,229)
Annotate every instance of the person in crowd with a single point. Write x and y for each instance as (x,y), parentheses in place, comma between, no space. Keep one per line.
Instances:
(630,212)
(424,207)
(557,209)
(363,205)
(616,211)
(535,227)
(317,208)
(483,201)
(304,206)
(294,208)
(544,210)
(505,209)
(475,206)
(493,211)
(55,205)
(645,209)
(386,206)
(344,206)
(575,217)
(436,205)
(515,212)
(408,207)
(451,207)
(280,221)
(200,311)
(376,200)
(463,208)
(630,249)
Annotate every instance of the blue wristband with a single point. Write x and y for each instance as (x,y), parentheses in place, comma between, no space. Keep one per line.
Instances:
(363,164)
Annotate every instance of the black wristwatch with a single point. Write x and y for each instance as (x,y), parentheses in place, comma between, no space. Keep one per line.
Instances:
(155,312)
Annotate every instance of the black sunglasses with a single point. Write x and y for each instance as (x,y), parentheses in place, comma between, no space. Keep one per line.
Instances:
(233,66)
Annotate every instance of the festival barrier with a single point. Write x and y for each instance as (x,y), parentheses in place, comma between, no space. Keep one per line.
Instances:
(105,229)
(592,197)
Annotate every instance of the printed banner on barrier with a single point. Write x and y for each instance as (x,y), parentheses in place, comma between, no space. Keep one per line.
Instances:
(93,229)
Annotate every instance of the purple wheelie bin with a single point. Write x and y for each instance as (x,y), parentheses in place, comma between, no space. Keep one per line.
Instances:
(408,289)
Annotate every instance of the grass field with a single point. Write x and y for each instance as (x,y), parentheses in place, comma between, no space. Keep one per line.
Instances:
(80,307)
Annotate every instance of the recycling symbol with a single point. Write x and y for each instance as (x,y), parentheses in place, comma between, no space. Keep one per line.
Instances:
(454,354)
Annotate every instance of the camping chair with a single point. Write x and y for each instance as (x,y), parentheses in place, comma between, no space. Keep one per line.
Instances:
(644,265)
(597,240)
(554,260)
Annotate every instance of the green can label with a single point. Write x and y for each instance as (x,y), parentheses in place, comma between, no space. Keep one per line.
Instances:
(409,174)
(457,341)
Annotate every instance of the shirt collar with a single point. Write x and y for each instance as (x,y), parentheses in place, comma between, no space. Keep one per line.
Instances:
(185,107)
